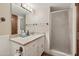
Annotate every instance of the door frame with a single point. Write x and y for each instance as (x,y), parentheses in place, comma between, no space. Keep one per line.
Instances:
(76,4)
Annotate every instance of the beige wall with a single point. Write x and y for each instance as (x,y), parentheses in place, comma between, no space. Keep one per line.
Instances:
(5,27)
(39,15)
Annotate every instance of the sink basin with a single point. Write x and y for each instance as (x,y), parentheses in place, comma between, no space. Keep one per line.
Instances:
(23,36)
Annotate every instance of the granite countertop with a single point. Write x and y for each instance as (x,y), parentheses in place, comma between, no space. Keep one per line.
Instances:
(26,40)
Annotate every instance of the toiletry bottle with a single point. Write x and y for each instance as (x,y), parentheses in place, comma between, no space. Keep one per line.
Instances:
(28,32)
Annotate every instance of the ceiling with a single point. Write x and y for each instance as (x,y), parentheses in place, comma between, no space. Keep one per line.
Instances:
(20,11)
(64,5)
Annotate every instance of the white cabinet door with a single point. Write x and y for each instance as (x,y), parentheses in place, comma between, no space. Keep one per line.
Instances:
(40,47)
(31,49)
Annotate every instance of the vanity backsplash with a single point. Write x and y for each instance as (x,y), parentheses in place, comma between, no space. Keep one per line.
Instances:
(37,28)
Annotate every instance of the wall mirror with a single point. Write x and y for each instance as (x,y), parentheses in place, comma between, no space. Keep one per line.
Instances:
(18,19)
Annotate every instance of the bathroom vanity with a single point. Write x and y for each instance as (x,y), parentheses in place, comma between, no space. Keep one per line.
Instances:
(32,45)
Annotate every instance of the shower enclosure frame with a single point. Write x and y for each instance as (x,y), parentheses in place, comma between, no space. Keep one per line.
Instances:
(58,52)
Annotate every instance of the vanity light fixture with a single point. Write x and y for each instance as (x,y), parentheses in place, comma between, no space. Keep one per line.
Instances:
(27,6)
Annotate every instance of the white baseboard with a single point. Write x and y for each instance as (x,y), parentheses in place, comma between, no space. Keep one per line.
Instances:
(58,53)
